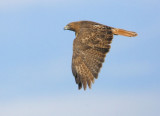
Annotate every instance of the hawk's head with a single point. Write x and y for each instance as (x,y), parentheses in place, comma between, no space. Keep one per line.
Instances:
(75,26)
(72,26)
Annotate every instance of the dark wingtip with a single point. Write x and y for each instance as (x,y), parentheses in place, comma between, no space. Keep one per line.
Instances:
(79,86)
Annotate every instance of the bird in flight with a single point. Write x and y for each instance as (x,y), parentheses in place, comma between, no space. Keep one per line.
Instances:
(92,43)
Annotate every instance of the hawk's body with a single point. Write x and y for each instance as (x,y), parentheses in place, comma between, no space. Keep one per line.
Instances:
(90,46)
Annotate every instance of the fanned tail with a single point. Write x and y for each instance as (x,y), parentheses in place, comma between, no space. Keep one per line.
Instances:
(123,32)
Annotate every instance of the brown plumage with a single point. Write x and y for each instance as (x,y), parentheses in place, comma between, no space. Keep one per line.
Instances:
(90,47)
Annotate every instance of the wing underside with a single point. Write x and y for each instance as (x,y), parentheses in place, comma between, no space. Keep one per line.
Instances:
(89,51)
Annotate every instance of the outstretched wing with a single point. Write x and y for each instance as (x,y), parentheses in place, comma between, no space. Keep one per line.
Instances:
(89,50)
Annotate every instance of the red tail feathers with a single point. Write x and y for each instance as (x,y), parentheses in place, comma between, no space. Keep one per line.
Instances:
(123,32)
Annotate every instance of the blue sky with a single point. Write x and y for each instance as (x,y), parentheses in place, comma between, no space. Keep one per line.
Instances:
(35,59)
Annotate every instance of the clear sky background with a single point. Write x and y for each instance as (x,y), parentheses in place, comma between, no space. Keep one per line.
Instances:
(35,59)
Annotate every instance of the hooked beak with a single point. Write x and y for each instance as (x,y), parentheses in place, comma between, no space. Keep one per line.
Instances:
(66,27)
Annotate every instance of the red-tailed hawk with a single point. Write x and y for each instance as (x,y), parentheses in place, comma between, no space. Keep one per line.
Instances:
(90,47)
